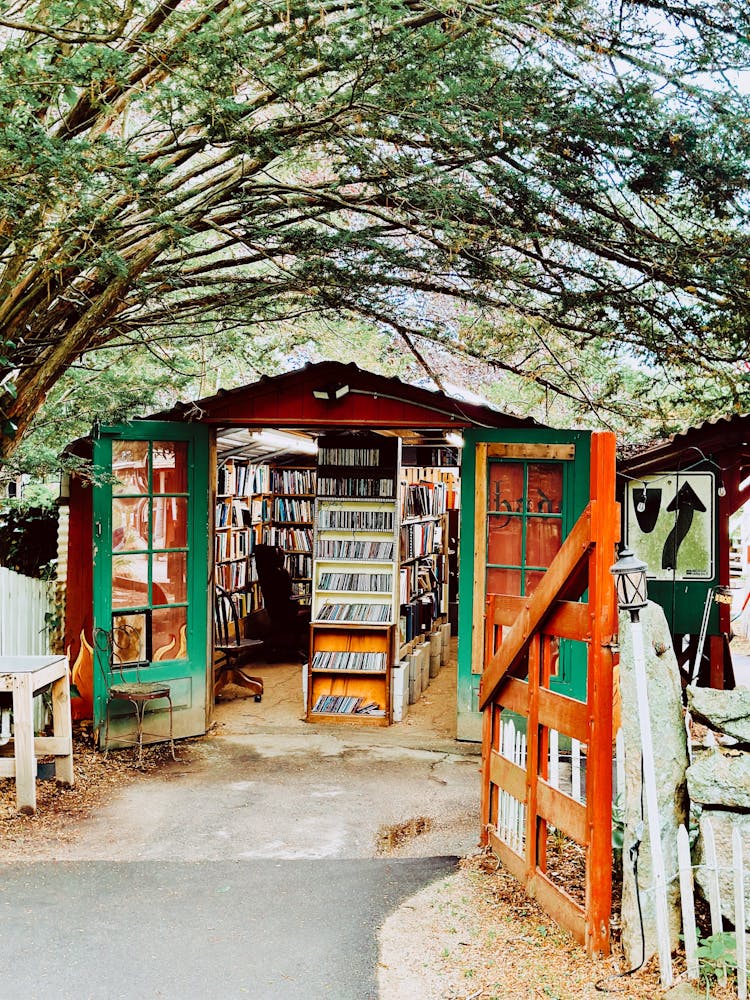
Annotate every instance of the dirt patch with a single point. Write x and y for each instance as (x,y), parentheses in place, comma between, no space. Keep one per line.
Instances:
(477,936)
(395,835)
(60,810)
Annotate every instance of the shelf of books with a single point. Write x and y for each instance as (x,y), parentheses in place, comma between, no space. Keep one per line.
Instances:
(242,512)
(291,526)
(426,495)
(355,576)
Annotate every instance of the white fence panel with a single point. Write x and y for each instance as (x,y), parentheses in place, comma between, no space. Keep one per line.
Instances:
(687,892)
(24,605)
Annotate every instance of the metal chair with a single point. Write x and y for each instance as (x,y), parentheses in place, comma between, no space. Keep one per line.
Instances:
(139,694)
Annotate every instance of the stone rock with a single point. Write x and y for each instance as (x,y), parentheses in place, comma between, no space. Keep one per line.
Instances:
(719,779)
(727,711)
(684,991)
(723,823)
(670,757)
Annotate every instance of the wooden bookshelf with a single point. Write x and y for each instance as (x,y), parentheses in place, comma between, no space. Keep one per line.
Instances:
(241,513)
(426,494)
(350,661)
(355,580)
(291,523)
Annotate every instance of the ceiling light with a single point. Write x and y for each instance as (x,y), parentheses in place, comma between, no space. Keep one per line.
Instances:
(455,439)
(279,441)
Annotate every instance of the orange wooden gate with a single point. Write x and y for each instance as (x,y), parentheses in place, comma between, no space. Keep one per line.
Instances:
(516,680)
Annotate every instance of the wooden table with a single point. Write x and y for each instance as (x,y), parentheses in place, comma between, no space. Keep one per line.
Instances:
(24,676)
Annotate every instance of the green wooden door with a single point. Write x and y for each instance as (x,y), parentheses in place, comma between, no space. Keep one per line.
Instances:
(151,539)
(521,493)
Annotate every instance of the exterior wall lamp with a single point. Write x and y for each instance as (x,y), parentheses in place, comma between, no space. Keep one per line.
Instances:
(331,393)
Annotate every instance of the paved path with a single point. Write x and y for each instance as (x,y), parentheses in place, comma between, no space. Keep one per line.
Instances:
(219,930)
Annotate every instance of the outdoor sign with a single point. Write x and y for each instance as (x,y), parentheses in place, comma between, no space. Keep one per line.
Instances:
(669,523)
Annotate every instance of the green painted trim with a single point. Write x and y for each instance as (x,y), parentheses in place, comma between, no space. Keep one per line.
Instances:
(576,485)
(196,666)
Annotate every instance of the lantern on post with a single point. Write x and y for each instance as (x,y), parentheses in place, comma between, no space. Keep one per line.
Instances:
(630,580)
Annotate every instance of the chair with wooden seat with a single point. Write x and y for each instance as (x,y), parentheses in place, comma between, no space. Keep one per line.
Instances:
(235,649)
(111,653)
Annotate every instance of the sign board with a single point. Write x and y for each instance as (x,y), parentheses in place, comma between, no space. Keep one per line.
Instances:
(669,523)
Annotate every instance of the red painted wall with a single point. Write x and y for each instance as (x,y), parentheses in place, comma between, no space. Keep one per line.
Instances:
(79,608)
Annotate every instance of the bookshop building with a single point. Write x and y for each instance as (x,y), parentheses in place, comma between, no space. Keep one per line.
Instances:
(328,516)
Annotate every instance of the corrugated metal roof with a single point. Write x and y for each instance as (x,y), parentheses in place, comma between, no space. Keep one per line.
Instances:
(714,435)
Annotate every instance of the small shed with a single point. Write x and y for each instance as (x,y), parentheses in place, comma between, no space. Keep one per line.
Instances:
(522,486)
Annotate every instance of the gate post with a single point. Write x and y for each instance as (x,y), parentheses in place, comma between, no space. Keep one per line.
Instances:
(605,533)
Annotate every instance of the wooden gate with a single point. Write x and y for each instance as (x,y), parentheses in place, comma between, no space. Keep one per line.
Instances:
(575,600)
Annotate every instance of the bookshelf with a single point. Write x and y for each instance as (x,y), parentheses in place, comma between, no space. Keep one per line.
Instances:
(241,514)
(426,496)
(291,524)
(355,576)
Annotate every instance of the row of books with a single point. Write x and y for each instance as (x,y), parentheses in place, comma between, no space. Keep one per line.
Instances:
(289,539)
(420,538)
(346,704)
(234,575)
(355,487)
(355,520)
(241,478)
(375,614)
(336,548)
(416,618)
(246,601)
(291,509)
(345,660)
(293,481)
(423,499)
(298,565)
(236,544)
(328,455)
(416,579)
(380,583)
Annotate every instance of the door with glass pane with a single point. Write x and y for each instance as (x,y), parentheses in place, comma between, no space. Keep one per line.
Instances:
(521,492)
(151,567)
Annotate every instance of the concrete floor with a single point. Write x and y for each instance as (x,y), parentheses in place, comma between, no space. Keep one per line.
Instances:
(265,784)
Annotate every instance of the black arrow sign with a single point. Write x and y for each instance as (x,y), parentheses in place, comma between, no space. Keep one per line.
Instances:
(686,502)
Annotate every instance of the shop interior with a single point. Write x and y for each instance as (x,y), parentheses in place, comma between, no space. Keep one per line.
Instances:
(335,571)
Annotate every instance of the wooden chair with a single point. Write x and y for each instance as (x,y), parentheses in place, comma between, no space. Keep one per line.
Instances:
(234,648)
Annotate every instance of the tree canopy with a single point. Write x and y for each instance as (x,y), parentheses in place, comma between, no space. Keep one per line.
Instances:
(575,171)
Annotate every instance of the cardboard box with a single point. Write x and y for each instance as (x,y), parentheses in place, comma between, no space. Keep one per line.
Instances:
(400,691)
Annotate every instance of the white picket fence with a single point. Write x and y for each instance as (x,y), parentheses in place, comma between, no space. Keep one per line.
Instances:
(687,900)
(566,771)
(24,605)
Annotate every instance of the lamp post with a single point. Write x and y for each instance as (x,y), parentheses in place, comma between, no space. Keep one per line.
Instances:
(630,580)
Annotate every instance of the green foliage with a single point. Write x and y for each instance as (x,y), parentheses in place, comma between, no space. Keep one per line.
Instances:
(717,953)
(561,188)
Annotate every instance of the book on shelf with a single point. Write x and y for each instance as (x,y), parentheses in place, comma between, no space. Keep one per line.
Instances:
(299,481)
(423,499)
(356,487)
(332,454)
(376,583)
(346,549)
(355,612)
(289,539)
(292,509)
(342,704)
(346,660)
(342,519)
